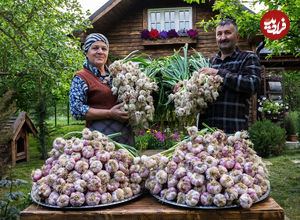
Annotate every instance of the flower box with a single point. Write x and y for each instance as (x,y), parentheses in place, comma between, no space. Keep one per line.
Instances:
(178,40)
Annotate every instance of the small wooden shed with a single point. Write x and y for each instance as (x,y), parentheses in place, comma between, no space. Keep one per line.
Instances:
(18,127)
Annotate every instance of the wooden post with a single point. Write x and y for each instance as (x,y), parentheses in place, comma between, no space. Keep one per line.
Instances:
(13,152)
(26,142)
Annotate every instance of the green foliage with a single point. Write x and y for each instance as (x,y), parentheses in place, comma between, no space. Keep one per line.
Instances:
(292,122)
(8,211)
(292,88)
(249,24)
(267,137)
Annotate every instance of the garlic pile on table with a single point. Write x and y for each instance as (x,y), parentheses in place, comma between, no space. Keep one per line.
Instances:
(134,88)
(87,171)
(210,170)
(196,93)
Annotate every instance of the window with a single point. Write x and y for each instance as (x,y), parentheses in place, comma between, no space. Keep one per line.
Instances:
(170,18)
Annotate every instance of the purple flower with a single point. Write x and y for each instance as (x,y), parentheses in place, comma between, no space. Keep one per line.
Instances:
(160,136)
(145,34)
(193,33)
(172,33)
(182,33)
(163,35)
(174,136)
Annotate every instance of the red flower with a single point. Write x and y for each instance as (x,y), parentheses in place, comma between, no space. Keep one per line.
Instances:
(154,34)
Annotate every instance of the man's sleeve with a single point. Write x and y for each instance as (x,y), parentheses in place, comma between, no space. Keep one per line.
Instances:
(247,80)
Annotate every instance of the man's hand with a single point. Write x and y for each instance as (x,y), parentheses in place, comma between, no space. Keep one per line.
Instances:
(117,114)
(209,71)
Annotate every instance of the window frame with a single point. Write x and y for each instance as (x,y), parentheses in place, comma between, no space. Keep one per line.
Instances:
(162,17)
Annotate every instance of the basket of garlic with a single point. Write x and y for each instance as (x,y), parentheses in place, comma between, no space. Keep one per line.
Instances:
(88,172)
(208,171)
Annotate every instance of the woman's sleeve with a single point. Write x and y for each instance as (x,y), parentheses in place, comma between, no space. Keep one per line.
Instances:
(78,98)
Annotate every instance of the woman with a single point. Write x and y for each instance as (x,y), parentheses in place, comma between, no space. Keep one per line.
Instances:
(91,97)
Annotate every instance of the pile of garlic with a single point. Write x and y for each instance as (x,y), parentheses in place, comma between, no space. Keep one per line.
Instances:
(85,172)
(195,95)
(209,170)
(133,87)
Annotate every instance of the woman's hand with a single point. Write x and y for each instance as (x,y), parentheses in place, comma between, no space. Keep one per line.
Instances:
(177,87)
(207,70)
(117,114)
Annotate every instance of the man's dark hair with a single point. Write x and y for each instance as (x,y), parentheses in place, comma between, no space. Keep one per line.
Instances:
(228,22)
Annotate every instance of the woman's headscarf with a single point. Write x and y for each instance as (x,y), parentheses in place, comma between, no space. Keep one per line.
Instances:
(91,38)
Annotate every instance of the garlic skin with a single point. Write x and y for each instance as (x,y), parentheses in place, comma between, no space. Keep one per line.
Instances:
(245,201)
(63,201)
(92,198)
(192,198)
(77,199)
(118,195)
(219,200)
(36,175)
(206,199)
(52,198)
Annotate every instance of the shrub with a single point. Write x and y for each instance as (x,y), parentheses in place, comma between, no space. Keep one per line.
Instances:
(267,137)
(292,122)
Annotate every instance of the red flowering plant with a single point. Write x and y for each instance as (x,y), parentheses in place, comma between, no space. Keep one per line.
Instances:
(193,33)
(154,34)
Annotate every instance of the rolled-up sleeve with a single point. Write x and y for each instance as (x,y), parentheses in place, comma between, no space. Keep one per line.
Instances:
(78,98)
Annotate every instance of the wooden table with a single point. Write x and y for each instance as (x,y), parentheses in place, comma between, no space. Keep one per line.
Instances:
(148,208)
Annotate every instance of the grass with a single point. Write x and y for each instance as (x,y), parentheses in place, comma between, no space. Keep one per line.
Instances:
(284,175)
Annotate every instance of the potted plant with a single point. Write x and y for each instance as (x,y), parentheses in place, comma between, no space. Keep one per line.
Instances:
(291,125)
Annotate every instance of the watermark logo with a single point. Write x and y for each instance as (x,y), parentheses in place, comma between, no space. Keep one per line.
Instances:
(275,24)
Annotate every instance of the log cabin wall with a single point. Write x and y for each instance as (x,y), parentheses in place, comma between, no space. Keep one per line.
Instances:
(124,34)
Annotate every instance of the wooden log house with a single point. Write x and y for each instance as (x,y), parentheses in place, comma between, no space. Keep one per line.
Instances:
(18,146)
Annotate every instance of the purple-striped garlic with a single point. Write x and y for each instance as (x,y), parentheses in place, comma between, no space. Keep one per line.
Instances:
(170,193)
(93,183)
(252,194)
(92,198)
(222,170)
(63,200)
(77,199)
(197,179)
(87,134)
(199,167)
(54,153)
(88,151)
(87,175)
(36,175)
(118,195)
(153,186)
(103,156)
(59,184)
(180,172)
(150,163)
(247,180)
(104,176)
(245,201)
(80,185)
(106,198)
(76,156)
(110,146)
(241,188)
(227,162)
(200,189)
(112,185)
(236,175)
(96,166)
(77,145)
(211,161)
(120,176)
(81,166)
(46,169)
(171,167)
(135,178)
(212,173)
(161,177)
(112,166)
(231,194)
(44,190)
(51,178)
(73,176)
(58,143)
(226,181)
(62,172)
(181,197)
(219,200)
(50,160)
(68,188)
(238,166)
(192,198)
(136,188)
(227,150)
(206,198)
(213,187)
(127,192)
(265,185)
(52,198)
(70,164)
(184,184)
(258,190)
(172,181)
(248,168)
(195,148)
(144,172)
(178,156)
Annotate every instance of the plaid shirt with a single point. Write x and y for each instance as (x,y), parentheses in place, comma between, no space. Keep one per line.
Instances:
(241,79)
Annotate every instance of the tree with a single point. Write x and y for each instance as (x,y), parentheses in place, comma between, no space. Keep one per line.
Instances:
(40,53)
(249,23)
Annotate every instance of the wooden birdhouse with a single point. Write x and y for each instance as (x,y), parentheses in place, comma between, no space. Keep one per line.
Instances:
(17,148)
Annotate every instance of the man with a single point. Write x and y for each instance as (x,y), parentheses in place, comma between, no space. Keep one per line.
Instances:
(241,78)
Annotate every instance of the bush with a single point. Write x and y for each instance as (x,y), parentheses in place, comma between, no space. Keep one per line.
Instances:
(267,137)
(292,122)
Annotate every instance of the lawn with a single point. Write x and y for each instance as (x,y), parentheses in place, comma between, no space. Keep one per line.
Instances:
(284,174)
